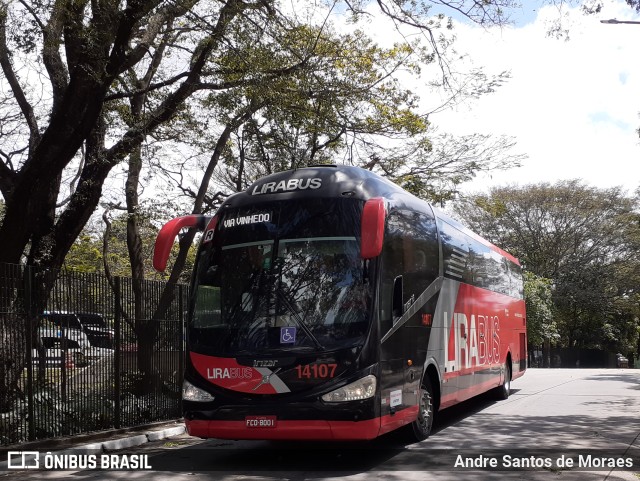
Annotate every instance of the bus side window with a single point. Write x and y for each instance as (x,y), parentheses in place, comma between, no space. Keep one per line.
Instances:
(427,245)
(392,266)
(517,287)
(422,261)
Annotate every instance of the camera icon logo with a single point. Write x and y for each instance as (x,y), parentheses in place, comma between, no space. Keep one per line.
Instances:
(23,460)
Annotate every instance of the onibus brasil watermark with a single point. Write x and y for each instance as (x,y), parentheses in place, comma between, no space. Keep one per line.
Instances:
(75,461)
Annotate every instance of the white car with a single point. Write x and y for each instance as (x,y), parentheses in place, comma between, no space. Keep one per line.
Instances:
(59,352)
(93,325)
(60,332)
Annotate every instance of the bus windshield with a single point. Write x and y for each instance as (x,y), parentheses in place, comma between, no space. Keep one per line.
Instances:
(282,277)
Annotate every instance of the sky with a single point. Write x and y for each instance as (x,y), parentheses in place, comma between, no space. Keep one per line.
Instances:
(572,105)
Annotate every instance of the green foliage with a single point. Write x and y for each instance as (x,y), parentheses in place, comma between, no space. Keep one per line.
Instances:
(293,90)
(86,254)
(344,89)
(160,88)
(582,239)
(541,324)
(91,408)
(342,103)
(56,415)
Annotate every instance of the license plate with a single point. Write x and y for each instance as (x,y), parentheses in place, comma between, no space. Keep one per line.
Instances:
(261,421)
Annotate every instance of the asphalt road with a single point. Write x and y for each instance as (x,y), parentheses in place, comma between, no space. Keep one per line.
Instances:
(553,417)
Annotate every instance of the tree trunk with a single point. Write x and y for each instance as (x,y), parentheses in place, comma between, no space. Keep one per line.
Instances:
(546,353)
(13,346)
(21,290)
(187,240)
(145,327)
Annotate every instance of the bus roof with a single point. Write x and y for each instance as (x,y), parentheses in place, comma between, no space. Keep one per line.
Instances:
(317,181)
(330,181)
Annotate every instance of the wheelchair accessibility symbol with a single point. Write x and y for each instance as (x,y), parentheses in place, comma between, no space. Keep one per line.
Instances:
(287,335)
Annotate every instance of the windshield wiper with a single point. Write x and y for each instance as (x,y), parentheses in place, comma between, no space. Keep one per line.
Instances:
(298,320)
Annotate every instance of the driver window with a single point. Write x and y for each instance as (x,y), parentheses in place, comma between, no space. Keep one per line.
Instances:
(410,250)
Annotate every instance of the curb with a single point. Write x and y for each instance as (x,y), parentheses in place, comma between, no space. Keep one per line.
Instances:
(130,441)
(30,455)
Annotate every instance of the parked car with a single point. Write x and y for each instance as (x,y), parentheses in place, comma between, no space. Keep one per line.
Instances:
(77,336)
(622,361)
(60,352)
(96,324)
(92,325)
(97,353)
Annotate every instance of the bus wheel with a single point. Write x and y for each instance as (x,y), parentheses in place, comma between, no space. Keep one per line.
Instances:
(503,392)
(421,427)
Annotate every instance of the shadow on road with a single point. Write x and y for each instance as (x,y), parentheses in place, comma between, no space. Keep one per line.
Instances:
(629,377)
(546,436)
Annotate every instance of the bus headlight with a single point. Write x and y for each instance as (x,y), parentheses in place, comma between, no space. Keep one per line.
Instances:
(361,389)
(192,393)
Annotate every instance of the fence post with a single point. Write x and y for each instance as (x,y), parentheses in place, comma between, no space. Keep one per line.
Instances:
(117,354)
(28,311)
(182,340)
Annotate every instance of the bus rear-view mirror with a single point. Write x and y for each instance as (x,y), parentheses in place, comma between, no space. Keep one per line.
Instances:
(168,233)
(372,228)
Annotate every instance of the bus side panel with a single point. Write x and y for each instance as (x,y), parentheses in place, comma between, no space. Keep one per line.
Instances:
(519,339)
(479,330)
(439,342)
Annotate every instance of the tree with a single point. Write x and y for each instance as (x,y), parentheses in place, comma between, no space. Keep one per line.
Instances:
(86,48)
(339,107)
(541,326)
(584,240)
(441,166)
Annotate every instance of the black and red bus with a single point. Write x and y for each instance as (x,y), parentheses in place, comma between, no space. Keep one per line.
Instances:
(329,303)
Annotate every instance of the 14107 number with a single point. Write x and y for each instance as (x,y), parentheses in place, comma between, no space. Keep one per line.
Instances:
(316,371)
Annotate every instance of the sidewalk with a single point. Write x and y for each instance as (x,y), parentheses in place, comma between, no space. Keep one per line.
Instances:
(105,441)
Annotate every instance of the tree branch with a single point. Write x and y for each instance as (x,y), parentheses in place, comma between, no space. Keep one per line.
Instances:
(52,38)
(16,88)
(167,109)
(164,16)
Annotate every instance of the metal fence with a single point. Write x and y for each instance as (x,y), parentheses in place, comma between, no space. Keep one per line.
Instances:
(76,356)
(560,357)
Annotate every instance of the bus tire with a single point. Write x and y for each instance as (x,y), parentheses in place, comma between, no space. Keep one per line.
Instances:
(420,429)
(502,392)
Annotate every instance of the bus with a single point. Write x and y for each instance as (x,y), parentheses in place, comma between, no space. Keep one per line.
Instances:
(327,303)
